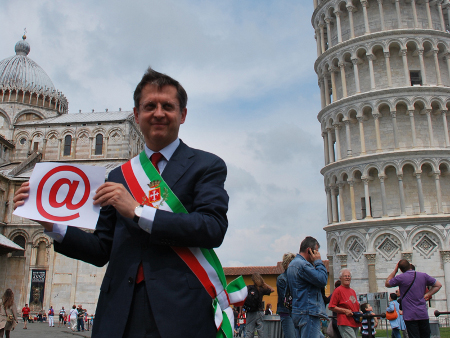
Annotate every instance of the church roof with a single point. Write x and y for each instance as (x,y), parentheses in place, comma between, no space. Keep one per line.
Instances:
(22,72)
(81,118)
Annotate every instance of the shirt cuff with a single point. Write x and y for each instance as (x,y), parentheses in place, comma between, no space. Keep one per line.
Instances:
(147,218)
(58,233)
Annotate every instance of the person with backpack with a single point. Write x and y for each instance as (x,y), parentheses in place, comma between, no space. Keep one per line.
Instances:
(284,305)
(254,307)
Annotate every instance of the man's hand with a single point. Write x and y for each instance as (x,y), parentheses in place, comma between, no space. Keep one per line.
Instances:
(19,199)
(315,254)
(117,195)
(348,312)
(392,275)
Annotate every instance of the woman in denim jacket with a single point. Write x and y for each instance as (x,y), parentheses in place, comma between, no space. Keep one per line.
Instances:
(285,314)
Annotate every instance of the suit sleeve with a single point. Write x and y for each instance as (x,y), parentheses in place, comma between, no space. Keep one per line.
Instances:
(206,223)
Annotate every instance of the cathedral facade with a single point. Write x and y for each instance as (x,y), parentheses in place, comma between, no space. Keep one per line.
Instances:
(384,76)
(35,127)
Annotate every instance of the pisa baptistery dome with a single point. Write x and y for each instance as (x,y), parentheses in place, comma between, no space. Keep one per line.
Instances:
(22,72)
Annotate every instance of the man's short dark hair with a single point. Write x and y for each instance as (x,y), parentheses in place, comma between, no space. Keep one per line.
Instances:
(393,296)
(309,243)
(160,80)
(364,307)
(404,265)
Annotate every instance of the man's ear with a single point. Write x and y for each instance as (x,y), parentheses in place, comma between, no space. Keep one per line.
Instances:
(136,114)
(183,115)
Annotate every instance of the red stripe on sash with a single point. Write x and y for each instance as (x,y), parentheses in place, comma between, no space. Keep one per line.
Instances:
(132,182)
(188,257)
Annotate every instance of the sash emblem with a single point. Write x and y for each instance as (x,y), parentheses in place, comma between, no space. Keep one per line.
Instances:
(155,198)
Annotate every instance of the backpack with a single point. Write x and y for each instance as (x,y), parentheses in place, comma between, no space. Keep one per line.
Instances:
(252,301)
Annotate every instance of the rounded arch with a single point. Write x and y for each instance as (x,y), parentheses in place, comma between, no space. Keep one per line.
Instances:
(333,245)
(19,232)
(429,162)
(406,162)
(5,117)
(380,232)
(354,244)
(38,237)
(369,167)
(390,164)
(424,229)
(380,104)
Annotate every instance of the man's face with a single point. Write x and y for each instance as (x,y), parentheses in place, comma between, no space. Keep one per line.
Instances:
(159,116)
(346,279)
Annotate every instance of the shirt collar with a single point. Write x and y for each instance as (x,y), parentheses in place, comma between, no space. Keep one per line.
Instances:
(167,151)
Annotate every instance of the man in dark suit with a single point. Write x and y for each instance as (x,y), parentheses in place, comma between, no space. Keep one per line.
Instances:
(148,290)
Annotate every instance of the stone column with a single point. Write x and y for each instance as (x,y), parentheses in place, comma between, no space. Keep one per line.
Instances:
(405,67)
(322,92)
(371,259)
(338,25)
(422,68)
(74,143)
(414,11)
(430,126)
(365,4)
(342,260)
(413,126)
(399,16)
(441,15)
(446,263)
(448,13)
(106,138)
(447,60)
(437,174)
(371,57)
(325,147)
(436,65)
(327,89)
(322,37)
(420,192)
(355,70)
(348,137)
(444,121)
(376,116)
(329,210)
(351,9)
(341,201)
(44,147)
(361,134)
(334,204)
(382,177)
(352,199)
(333,83)
(337,126)
(59,148)
(427,6)
(330,146)
(344,82)
(331,272)
(380,8)
(387,56)
(394,127)
(317,37)
(91,138)
(402,195)
(328,23)
(366,181)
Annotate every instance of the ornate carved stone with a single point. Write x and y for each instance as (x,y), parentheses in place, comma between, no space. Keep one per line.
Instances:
(407,256)
(445,256)
(371,258)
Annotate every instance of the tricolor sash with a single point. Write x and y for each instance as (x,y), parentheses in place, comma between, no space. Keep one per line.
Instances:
(148,188)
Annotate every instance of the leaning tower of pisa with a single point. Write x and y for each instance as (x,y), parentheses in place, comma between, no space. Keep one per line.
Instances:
(384,76)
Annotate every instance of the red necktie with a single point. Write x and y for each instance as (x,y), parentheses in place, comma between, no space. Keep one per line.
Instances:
(155,158)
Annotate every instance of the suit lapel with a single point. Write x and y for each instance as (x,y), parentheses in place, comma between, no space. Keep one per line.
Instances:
(179,163)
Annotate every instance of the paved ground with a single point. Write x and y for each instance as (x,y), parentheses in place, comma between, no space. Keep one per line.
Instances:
(42,330)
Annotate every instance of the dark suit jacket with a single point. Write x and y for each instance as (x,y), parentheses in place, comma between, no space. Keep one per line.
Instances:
(180,304)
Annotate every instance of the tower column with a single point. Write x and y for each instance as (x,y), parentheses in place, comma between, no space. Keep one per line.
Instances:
(436,64)
(328,23)
(441,15)
(405,67)
(371,57)
(447,59)
(351,9)
(59,148)
(337,126)
(325,147)
(414,11)
(91,139)
(413,126)
(352,199)
(322,92)
(330,146)
(445,255)
(427,7)
(430,126)
(334,204)
(376,116)
(394,127)
(402,195)
(365,4)
(333,83)
(331,272)
(327,89)
(329,210)
(341,201)
(399,16)
(355,70)
(380,9)
(344,82)
(371,259)
(317,37)
(338,25)
(444,122)
(437,174)
(366,181)
(342,260)
(382,177)
(348,137)
(420,193)
(388,67)
(361,134)
(422,68)
(322,37)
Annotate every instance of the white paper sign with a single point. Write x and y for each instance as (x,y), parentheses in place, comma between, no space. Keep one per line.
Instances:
(63,193)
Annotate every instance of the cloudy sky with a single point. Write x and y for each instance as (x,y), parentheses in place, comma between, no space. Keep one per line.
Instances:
(253,96)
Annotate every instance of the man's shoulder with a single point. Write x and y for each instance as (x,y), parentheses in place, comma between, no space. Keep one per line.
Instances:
(200,154)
